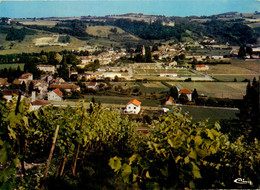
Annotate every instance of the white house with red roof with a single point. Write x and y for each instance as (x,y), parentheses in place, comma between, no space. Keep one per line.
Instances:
(202,67)
(55,95)
(187,92)
(133,107)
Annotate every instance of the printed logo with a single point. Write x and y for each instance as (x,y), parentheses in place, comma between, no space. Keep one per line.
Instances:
(242,181)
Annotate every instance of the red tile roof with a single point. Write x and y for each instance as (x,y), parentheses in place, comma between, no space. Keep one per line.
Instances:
(40,103)
(25,76)
(3,81)
(64,86)
(135,102)
(45,66)
(185,91)
(92,84)
(200,65)
(58,92)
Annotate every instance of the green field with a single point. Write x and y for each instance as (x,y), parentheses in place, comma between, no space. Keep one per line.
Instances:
(232,90)
(13,66)
(39,23)
(197,113)
(122,101)
(239,69)
(212,114)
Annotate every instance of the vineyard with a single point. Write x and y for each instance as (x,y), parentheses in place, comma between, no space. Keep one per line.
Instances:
(97,148)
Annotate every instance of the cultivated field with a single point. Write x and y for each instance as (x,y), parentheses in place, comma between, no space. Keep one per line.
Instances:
(102,31)
(212,114)
(40,23)
(232,90)
(28,45)
(153,74)
(238,69)
(105,32)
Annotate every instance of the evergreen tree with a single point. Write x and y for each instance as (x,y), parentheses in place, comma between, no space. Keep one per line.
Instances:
(23,87)
(148,56)
(195,94)
(249,111)
(174,92)
(249,50)
(63,71)
(31,87)
(242,52)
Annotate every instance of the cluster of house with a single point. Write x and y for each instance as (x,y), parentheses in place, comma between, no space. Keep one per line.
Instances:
(45,88)
(255,53)
(104,58)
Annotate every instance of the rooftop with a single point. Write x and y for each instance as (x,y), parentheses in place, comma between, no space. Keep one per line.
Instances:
(135,102)
(185,91)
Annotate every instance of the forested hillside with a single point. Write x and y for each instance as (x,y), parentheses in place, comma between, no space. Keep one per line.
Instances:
(234,33)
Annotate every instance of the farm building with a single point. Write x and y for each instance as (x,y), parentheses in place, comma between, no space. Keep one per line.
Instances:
(111,75)
(168,75)
(55,95)
(187,92)
(169,102)
(133,107)
(202,67)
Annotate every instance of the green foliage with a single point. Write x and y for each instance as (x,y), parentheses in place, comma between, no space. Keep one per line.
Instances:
(14,34)
(64,39)
(249,111)
(93,66)
(181,154)
(176,153)
(74,28)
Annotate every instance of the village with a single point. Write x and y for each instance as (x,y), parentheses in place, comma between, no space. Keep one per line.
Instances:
(169,64)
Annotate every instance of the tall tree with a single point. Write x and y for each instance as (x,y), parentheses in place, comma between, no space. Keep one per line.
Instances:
(23,87)
(148,56)
(174,92)
(249,111)
(30,88)
(195,94)
(242,52)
